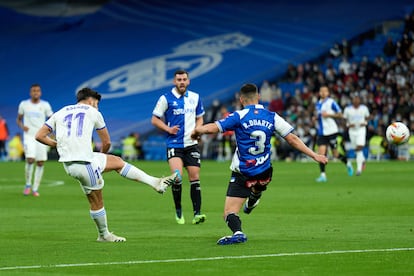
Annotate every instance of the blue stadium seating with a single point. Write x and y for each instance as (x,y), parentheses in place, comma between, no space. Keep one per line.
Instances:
(128,50)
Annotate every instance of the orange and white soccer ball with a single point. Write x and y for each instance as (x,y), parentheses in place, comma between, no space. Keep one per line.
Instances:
(397,133)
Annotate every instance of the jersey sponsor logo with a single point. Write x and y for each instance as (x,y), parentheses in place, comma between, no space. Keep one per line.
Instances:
(258,161)
(34,114)
(180,111)
(198,57)
(262,159)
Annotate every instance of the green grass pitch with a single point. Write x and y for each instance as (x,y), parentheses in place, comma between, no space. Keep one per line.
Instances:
(360,225)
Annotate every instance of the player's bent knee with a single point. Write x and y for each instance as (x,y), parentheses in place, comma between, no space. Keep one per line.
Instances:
(260,187)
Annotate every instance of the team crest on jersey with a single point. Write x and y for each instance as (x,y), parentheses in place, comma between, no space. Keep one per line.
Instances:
(199,56)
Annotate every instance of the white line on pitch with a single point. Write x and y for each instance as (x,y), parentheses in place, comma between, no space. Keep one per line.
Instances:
(210,258)
(46,182)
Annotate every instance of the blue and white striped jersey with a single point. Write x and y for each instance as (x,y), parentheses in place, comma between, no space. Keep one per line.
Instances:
(182,111)
(327,126)
(253,126)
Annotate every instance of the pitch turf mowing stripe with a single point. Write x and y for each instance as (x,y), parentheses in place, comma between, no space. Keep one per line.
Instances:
(211,258)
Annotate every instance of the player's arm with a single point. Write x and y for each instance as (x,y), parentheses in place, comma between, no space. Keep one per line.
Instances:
(337,115)
(199,121)
(367,118)
(19,121)
(43,137)
(105,139)
(160,124)
(210,128)
(348,124)
(298,144)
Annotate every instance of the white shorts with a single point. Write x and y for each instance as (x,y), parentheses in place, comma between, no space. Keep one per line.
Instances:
(35,149)
(357,139)
(89,174)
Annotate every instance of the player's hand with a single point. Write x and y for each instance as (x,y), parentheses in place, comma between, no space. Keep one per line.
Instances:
(321,158)
(173,130)
(195,135)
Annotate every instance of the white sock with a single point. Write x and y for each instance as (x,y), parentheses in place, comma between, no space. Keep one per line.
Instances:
(131,172)
(37,177)
(359,160)
(99,217)
(29,173)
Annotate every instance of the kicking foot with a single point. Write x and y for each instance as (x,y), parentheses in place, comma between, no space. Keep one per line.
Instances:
(165,182)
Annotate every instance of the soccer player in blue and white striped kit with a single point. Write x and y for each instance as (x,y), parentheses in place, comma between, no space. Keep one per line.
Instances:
(178,112)
(327,110)
(251,166)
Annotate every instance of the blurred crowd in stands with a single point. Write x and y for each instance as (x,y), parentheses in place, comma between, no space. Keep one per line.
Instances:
(384,80)
(385,83)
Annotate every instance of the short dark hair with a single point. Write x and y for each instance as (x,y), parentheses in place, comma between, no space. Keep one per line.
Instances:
(248,89)
(35,85)
(180,72)
(86,92)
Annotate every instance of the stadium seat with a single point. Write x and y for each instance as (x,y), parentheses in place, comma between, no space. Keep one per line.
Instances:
(411,147)
(154,147)
(376,150)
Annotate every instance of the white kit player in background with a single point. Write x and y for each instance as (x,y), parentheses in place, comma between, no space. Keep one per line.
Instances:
(32,114)
(73,126)
(356,116)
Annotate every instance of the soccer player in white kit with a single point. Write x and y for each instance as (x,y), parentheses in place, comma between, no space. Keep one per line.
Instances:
(73,126)
(356,116)
(32,114)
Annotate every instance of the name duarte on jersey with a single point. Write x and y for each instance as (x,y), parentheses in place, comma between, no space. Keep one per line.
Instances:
(255,122)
